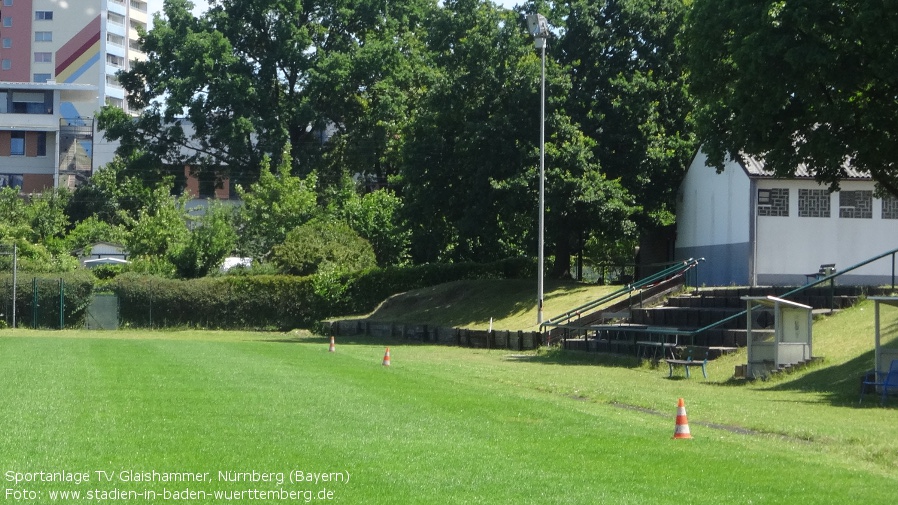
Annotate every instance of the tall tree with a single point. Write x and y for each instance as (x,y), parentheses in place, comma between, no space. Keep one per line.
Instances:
(798,82)
(471,152)
(368,82)
(629,94)
(253,76)
(464,149)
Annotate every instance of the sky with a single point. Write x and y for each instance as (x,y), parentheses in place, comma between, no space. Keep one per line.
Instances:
(201,5)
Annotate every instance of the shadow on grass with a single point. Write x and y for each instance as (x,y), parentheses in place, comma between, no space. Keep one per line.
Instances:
(359,339)
(575,358)
(837,385)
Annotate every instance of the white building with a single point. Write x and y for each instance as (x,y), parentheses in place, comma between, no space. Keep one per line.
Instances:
(38,144)
(66,42)
(754,229)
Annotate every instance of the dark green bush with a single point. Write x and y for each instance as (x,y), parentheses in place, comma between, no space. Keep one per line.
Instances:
(321,245)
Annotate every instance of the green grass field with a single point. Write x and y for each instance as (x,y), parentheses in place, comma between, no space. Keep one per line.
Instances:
(441,425)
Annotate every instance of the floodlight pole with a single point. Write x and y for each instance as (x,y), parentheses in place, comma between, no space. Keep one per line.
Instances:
(542,183)
(539,28)
(15,279)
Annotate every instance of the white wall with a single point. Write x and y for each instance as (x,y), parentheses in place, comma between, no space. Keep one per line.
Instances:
(713,221)
(789,247)
(712,208)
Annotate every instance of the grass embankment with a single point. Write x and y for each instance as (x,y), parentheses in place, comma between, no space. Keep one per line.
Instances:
(471,304)
(442,424)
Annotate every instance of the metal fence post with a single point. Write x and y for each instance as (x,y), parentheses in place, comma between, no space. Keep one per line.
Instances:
(34,299)
(61,304)
(15,257)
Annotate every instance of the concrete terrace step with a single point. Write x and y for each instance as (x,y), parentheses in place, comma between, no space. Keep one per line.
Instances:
(703,307)
(686,317)
(712,302)
(819,290)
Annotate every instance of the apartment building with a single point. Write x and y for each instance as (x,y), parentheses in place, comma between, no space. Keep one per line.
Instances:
(58,65)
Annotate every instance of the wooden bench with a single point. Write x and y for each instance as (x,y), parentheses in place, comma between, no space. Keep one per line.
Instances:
(826,270)
(692,356)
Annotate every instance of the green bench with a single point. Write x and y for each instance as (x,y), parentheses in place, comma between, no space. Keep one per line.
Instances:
(689,357)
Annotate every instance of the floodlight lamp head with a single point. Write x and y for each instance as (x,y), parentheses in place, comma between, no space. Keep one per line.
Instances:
(538,26)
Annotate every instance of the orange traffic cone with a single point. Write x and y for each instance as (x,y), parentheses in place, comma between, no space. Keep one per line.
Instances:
(332,348)
(387,357)
(682,429)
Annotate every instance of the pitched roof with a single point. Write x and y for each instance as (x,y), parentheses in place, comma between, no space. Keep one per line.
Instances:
(755,167)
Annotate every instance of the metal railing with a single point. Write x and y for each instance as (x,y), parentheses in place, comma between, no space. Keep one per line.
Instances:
(691,264)
(829,278)
(677,268)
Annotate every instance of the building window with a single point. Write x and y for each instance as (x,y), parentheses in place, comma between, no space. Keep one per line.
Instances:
(813,203)
(116,40)
(7,22)
(116,19)
(5,64)
(43,57)
(115,61)
(11,181)
(890,207)
(856,204)
(7,3)
(31,103)
(41,144)
(115,102)
(7,43)
(43,15)
(43,36)
(773,202)
(42,77)
(17,144)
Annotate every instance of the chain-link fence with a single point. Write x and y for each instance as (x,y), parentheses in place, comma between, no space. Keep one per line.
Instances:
(43,302)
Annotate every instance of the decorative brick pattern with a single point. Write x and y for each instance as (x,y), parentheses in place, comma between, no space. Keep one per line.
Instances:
(813,203)
(890,207)
(856,204)
(773,202)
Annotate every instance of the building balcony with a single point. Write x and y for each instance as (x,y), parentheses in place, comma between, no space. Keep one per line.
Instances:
(118,7)
(29,122)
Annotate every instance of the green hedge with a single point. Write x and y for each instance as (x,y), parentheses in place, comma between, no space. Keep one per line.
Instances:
(215,302)
(76,289)
(284,301)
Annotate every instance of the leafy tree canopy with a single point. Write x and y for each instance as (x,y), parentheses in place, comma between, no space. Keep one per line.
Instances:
(323,245)
(628,93)
(37,226)
(212,238)
(810,82)
(376,217)
(440,100)
(272,206)
(255,76)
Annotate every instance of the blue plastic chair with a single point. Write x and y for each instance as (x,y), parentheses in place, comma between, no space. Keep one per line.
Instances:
(889,381)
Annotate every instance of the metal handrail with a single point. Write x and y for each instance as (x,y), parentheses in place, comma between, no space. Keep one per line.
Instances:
(692,333)
(821,280)
(676,269)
